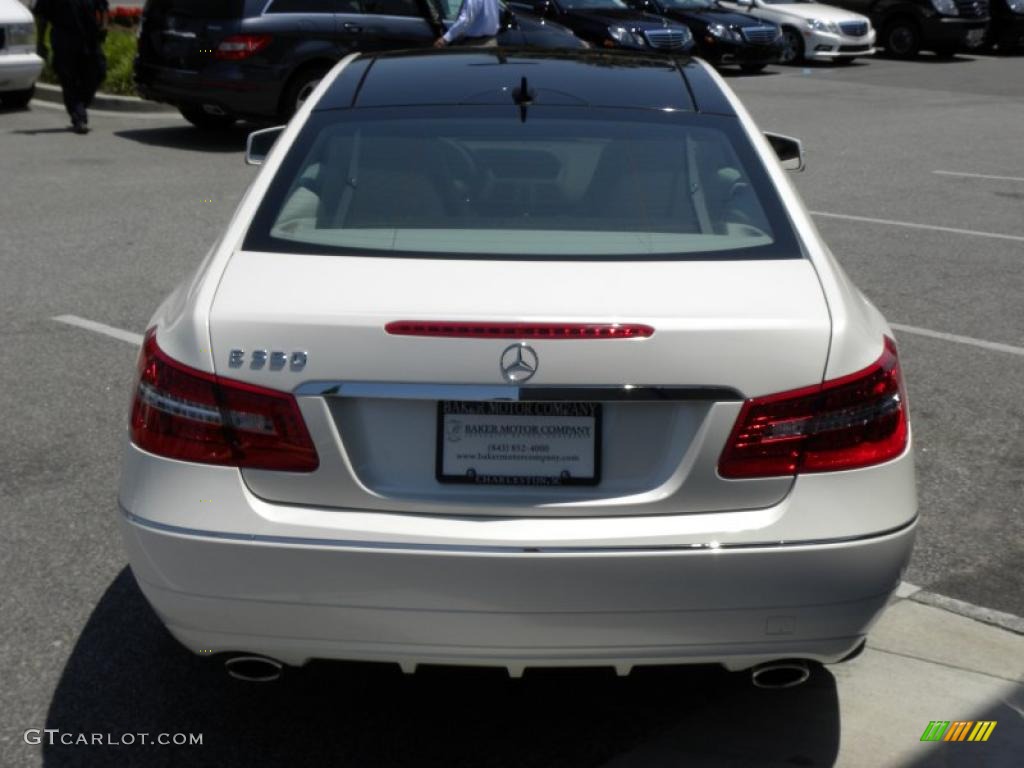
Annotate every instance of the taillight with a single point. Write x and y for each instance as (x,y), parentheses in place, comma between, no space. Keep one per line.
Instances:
(238,47)
(185,414)
(854,421)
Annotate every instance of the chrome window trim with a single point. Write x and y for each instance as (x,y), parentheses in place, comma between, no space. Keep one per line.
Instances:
(535,393)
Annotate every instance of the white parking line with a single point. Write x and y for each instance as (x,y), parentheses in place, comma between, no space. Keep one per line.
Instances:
(106,330)
(995,346)
(913,225)
(979,176)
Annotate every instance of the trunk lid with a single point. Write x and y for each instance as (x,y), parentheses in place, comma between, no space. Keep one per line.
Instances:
(724,330)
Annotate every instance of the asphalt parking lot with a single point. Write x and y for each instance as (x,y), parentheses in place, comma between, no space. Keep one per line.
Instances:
(916,174)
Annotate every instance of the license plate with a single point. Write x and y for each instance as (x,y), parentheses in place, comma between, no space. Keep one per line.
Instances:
(975,38)
(507,443)
(175,48)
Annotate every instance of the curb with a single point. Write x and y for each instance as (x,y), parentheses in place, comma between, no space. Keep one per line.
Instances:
(1006,621)
(106,101)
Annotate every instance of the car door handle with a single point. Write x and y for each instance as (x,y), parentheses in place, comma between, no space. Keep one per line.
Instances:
(352,27)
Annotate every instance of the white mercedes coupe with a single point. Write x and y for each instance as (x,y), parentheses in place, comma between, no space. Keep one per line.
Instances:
(520,359)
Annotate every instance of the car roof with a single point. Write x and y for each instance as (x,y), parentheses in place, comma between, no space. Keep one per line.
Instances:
(493,76)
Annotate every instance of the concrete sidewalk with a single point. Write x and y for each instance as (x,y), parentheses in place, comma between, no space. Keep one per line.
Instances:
(922,663)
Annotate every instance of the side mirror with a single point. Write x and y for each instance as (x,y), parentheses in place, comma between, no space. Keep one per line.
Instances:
(259,144)
(789,151)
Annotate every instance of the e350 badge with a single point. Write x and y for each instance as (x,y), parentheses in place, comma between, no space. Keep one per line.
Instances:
(275,360)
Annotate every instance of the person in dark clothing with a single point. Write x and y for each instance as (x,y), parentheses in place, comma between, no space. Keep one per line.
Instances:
(79,28)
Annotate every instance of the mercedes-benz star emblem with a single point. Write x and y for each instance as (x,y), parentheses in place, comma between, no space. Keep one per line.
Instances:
(518,363)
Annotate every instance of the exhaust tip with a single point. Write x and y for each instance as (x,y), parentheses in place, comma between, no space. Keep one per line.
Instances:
(254,669)
(780,674)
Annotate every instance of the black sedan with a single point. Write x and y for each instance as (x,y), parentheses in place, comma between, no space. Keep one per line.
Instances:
(613,24)
(220,60)
(723,36)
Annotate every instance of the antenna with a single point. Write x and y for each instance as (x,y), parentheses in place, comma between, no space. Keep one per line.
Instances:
(523,97)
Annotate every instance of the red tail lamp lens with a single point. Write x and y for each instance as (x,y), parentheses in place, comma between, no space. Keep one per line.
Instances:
(850,422)
(181,413)
(237,47)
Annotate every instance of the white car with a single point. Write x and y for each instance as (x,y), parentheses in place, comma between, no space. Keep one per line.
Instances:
(813,31)
(19,64)
(520,360)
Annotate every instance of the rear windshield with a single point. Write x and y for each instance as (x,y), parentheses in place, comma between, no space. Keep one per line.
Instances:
(471,182)
(207,9)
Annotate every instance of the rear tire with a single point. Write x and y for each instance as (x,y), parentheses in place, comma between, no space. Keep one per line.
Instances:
(751,69)
(902,38)
(299,89)
(17,99)
(1007,44)
(792,47)
(204,121)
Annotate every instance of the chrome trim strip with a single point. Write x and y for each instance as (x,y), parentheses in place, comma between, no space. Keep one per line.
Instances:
(536,393)
(486,549)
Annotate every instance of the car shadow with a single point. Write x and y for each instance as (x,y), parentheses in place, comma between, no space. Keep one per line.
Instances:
(126,675)
(730,72)
(191,139)
(829,66)
(40,131)
(928,57)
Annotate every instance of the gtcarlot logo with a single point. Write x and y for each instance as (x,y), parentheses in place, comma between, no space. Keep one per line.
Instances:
(53,736)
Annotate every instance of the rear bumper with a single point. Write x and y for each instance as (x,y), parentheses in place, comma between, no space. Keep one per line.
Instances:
(19,71)
(230,571)
(295,599)
(236,90)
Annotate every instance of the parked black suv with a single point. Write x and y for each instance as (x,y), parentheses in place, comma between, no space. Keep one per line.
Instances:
(907,26)
(723,36)
(613,24)
(220,60)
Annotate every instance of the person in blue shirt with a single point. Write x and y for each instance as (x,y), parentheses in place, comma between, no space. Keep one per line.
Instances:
(477,24)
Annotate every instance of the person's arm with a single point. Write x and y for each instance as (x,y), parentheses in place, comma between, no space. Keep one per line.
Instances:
(467,13)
